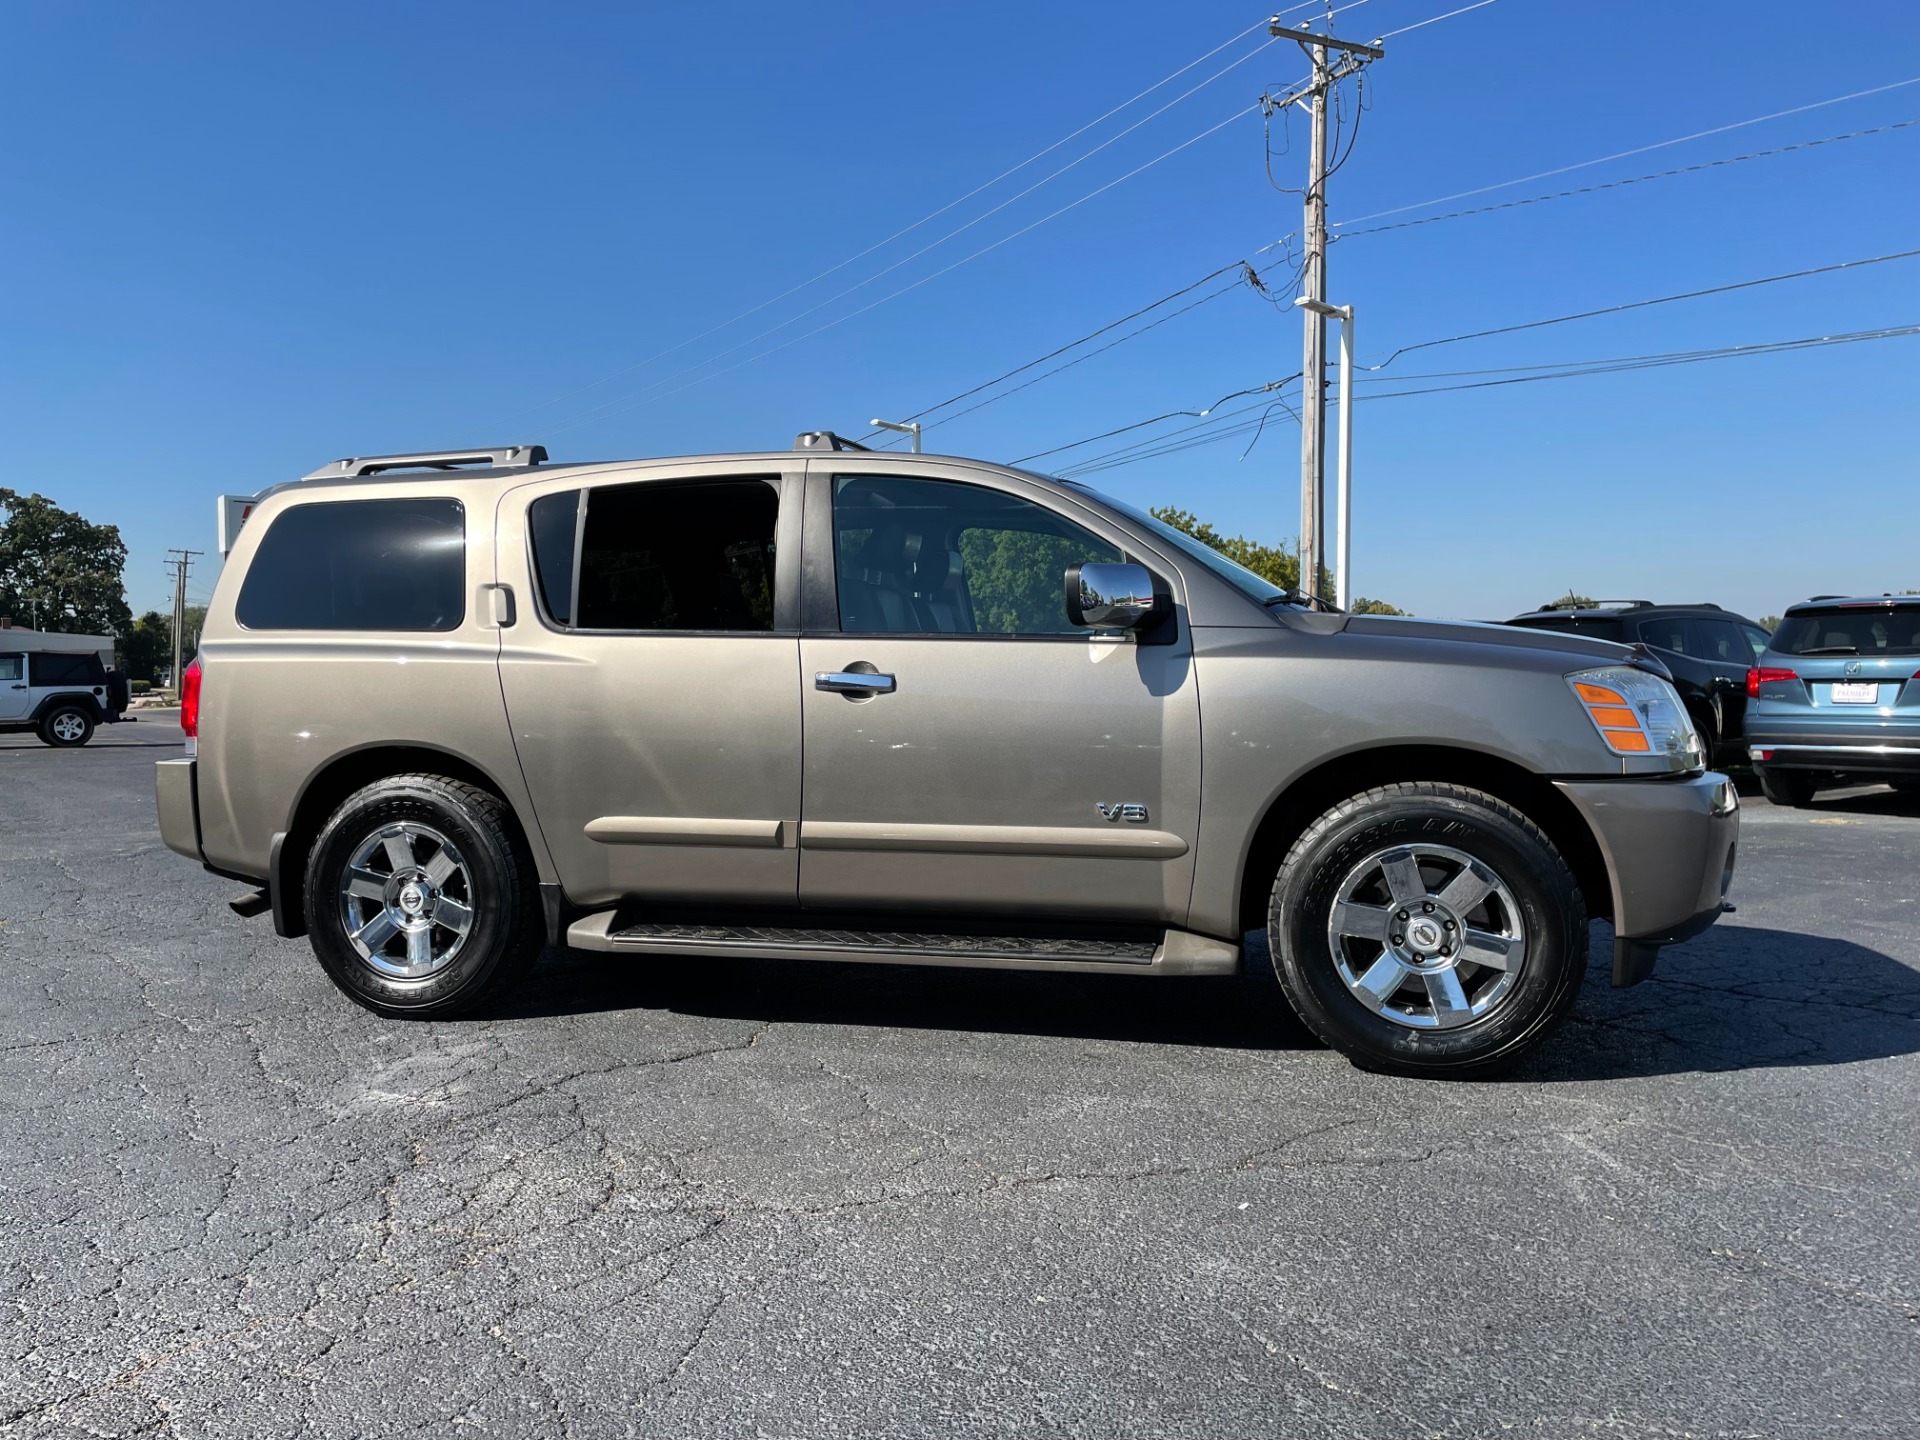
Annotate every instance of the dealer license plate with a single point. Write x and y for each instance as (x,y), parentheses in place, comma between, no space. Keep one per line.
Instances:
(1855,692)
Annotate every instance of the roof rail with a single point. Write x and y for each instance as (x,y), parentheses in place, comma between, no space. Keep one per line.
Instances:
(490,457)
(1564,603)
(1811,598)
(825,440)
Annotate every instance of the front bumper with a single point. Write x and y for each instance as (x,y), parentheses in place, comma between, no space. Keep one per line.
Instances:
(176,795)
(1669,847)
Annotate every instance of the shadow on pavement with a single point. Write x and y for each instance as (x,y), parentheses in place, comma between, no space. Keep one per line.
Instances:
(1877,801)
(1737,998)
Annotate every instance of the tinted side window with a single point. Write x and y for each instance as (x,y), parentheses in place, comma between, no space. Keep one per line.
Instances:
(935,556)
(1600,627)
(552,521)
(663,555)
(1721,642)
(10,667)
(1669,634)
(1757,639)
(359,565)
(55,669)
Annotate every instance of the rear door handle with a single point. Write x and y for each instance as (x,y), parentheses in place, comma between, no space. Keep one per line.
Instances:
(853,682)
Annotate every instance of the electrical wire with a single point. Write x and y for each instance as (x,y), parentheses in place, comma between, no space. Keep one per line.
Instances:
(1634,180)
(915,285)
(1622,154)
(909,229)
(1436,19)
(1643,304)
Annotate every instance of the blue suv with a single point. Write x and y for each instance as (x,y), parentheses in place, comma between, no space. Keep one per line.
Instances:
(1837,691)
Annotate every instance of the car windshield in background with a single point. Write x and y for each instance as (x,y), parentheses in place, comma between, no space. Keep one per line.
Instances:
(1880,630)
(1600,627)
(1242,579)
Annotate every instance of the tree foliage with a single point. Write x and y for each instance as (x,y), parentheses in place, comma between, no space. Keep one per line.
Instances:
(59,569)
(147,645)
(1271,563)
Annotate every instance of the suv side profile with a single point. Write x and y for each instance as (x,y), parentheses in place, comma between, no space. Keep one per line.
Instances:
(911,709)
(1707,649)
(60,695)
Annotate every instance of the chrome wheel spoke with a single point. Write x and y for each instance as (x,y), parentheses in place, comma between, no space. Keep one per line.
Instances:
(451,913)
(1450,1004)
(376,932)
(1403,877)
(1496,952)
(366,885)
(1381,979)
(1466,890)
(441,866)
(399,848)
(420,947)
(1361,922)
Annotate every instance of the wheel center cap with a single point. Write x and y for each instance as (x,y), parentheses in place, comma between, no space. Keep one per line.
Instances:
(1425,934)
(413,899)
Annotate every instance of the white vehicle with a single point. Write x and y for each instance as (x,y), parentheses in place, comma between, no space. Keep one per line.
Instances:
(61,694)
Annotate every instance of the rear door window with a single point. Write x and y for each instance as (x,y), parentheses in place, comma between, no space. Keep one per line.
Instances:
(1670,633)
(1719,641)
(359,565)
(1881,630)
(11,667)
(676,555)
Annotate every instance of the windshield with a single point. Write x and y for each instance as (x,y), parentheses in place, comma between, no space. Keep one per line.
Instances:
(1881,630)
(1242,579)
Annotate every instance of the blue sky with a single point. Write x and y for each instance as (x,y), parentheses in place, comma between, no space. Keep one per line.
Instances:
(242,240)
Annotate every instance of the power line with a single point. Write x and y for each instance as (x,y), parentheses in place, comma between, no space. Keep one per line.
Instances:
(1643,304)
(1635,180)
(1625,154)
(925,279)
(923,220)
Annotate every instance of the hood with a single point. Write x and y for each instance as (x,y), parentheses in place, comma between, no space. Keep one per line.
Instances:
(1475,632)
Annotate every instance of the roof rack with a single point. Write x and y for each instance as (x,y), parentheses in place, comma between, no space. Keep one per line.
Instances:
(1564,604)
(495,457)
(826,440)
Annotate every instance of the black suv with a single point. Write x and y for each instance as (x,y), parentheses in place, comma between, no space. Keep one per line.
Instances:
(1709,651)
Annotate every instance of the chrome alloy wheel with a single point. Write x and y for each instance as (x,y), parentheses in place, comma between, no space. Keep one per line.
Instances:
(406,900)
(69,727)
(1426,936)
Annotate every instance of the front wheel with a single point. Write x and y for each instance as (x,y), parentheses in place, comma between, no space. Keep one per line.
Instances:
(66,727)
(1428,929)
(421,897)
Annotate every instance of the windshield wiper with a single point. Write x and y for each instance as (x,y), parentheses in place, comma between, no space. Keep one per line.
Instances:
(1304,598)
(1833,650)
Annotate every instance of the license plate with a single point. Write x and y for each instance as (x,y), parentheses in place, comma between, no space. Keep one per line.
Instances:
(1855,692)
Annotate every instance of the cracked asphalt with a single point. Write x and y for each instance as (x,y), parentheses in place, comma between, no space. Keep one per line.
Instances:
(722,1198)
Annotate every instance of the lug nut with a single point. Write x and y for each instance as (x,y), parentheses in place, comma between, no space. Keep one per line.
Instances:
(1449,925)
(1428,907)
(1399,939)
(1403,914)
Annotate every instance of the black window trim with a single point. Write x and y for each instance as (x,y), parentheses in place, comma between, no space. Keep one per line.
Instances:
(785,485)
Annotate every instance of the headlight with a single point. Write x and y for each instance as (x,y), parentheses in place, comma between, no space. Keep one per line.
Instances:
(1638,714)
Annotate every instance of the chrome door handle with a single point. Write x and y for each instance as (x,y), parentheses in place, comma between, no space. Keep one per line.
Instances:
(853,682)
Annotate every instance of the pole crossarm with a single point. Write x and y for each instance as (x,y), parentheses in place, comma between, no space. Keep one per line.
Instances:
(1307,37)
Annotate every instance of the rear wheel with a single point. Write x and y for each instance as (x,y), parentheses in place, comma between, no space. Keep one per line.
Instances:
(1428,929)
(67,726)
(421,897)
(1786,787)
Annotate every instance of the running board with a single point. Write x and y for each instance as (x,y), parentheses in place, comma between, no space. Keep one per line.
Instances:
(1177,952)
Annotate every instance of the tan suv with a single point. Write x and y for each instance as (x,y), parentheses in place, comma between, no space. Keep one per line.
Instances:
(844,705)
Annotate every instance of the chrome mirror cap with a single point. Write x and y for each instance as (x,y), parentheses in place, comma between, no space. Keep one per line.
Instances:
(1109,597)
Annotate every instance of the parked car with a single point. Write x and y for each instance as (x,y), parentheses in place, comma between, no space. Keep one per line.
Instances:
(1837,692)
(837,705)
(1708,650)
(61,695)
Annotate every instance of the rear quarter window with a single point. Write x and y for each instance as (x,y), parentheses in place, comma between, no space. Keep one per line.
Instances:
(58,669)
(359,565)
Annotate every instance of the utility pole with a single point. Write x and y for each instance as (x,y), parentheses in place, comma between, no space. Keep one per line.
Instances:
(1313,361)
(179,566)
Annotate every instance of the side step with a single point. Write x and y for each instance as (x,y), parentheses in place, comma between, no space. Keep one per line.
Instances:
(1175,953)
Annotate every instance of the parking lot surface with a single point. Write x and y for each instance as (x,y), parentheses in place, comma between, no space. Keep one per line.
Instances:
(728,1198)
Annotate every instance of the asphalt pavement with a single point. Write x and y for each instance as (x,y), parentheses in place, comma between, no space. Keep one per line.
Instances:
(742,1199)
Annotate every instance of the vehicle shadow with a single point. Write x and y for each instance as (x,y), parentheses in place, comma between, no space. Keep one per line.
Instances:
(1877,801)
(1737,998)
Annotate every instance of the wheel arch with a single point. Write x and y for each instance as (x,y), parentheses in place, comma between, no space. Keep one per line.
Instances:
(1313,793)
(332,783)
(62,698)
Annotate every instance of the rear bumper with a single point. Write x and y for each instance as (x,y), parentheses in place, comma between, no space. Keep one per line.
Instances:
(176,795)
(1874,753)
(1669,848)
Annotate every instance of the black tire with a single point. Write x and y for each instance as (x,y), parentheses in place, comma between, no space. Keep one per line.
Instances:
(495,884)
(66,727)
(1548,912)
(1793,788)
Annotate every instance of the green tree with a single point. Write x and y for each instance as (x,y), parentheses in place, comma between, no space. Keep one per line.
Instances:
(1364,606)
(1017,578)
(1571,601)
(60,569)
(1270,562)
(1768,623)
(147,645)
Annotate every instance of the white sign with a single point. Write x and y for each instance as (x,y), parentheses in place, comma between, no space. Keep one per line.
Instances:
(233,511)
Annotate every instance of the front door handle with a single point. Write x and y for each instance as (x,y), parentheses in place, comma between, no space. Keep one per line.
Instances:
(853,682)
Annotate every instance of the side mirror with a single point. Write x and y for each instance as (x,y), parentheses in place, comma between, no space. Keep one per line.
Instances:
(1109,597)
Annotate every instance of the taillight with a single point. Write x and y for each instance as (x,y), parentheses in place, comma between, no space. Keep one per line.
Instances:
(190,700)
(1765,675)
